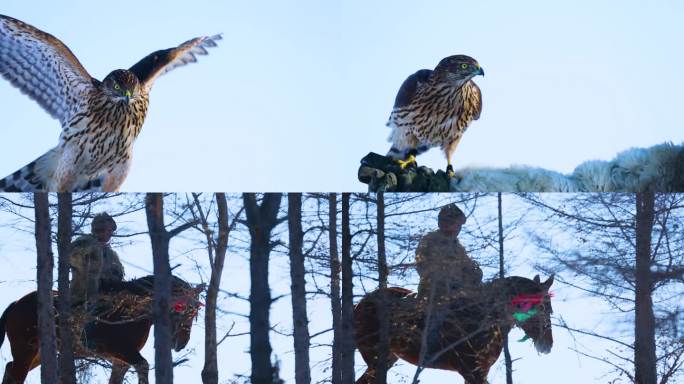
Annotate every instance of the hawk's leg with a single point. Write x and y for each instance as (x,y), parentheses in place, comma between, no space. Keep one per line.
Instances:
(404,149)
(65,179)
(449,150)
(67,169)
(117,175)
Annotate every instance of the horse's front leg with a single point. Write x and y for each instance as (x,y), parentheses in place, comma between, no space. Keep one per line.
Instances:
(119,370)
(142,368)
(476,376)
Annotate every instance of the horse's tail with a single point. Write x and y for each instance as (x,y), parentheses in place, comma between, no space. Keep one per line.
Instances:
(3,319)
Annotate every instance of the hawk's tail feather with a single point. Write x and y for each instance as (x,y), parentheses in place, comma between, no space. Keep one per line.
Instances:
(35,177)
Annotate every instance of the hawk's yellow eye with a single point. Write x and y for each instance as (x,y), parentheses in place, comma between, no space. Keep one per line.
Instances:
(116,86)
(464,66)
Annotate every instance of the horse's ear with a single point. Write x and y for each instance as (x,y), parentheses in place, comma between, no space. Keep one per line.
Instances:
(200,288)
(536,279)
(548,282)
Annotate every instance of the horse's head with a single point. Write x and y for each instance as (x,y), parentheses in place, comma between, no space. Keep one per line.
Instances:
(185,305)
(530,309)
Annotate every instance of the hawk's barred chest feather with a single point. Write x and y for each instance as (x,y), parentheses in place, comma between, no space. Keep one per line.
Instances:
(104,131)
(438,113)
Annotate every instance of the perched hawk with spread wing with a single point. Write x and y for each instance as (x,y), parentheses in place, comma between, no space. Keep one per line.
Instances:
(100,119)
(434,108)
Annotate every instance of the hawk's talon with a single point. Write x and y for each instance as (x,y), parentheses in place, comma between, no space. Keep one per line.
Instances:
(411,159)
(450,171)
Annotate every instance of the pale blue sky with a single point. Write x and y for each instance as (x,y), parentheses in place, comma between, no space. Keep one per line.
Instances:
(298,92)
(17,277)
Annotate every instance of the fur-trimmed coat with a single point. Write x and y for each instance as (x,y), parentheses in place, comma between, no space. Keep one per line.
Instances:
(444,265)
(92,263)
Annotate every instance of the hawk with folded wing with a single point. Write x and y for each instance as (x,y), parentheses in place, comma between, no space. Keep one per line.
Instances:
(434,108)
(100,119)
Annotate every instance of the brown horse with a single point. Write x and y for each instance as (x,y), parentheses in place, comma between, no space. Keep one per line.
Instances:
(121,325)
(469,339)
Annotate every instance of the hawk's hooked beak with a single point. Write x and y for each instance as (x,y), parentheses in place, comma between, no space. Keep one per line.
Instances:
(480,71)
(128,94)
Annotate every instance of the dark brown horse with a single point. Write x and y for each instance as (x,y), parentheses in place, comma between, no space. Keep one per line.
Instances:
(469,339)
(116,331)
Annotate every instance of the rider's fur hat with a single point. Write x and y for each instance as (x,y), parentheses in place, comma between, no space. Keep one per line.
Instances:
(102,221)
(449,214)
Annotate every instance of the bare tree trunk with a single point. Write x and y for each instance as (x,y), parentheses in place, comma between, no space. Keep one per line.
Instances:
(210,369)
(644,325)
(383,313)
(348,347)
(642,258)
(507,352)
(335,303)
(46,309)
(261,220)
(300,319)
(154,207)
(67,370)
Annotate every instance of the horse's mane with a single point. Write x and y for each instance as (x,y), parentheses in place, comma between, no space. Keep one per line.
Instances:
(133,299)
(143,286)
(517,284)
(511,286)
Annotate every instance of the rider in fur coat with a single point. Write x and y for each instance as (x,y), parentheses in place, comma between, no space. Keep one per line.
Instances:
(93,261)
(444,268)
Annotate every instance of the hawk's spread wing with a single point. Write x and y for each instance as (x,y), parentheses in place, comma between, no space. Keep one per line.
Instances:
(409,87)
(42,67)
(160,62)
